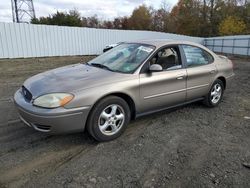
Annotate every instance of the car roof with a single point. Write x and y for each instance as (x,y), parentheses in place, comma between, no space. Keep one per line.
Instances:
(158,43)
(161,42)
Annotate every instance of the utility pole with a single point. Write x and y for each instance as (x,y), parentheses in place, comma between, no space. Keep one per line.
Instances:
(22,11)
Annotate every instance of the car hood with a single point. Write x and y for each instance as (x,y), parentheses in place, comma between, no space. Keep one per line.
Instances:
(71,78)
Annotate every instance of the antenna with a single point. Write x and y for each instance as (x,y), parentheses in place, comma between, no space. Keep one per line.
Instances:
(22,11)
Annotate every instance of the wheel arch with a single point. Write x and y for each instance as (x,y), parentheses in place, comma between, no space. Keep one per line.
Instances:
(223,79)
(128,99)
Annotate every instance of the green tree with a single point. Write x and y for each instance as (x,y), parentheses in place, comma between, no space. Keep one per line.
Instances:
(61,18)
(232,25)
(141,18)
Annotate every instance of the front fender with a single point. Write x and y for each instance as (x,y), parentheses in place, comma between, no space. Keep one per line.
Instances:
(88,97)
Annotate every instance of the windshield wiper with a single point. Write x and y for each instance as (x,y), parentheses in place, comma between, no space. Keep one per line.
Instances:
(101,66)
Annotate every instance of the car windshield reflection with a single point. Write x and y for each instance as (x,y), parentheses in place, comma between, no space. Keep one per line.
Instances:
(125,58)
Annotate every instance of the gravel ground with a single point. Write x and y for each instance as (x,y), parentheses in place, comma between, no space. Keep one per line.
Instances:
(191,146)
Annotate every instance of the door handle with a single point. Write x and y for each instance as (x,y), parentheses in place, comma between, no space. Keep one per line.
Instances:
(212,71)
(180,77)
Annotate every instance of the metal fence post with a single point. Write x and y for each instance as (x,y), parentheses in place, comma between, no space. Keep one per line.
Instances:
(248,48)
(213,44)
(222,45)
(233,46)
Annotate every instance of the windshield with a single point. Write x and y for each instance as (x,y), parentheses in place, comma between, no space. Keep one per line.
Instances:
(124,58)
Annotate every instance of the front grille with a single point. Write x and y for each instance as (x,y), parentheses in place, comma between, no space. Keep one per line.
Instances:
(26,93)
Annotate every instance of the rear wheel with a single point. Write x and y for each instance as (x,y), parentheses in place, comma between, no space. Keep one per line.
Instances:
(108,118)
(215,94)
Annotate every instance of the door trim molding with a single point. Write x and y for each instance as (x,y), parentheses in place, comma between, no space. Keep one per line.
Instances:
(196,87)
(176,91)
(161,94)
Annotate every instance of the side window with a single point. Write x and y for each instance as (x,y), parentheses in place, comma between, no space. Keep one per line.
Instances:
(168,58)
(196,56)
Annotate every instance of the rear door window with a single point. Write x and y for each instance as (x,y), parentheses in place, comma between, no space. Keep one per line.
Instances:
(196,56)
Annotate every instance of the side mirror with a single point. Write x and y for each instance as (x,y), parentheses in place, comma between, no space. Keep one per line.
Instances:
(155,68)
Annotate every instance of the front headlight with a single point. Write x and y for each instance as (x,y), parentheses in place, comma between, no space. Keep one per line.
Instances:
(53,100)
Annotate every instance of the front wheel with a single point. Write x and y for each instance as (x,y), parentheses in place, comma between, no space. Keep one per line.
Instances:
(215,94)
(108,118)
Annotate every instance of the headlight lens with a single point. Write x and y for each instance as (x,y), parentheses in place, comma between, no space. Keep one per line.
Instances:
(53,100)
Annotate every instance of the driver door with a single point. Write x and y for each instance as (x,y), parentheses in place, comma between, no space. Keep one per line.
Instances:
(159,90)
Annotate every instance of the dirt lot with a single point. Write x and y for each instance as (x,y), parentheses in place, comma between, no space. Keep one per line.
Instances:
(192,146)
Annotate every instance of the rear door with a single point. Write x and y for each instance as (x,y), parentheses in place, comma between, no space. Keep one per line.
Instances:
(159,90)
(200,71)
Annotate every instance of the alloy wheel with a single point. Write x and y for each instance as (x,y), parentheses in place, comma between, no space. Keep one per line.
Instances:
(111,119)
(216,93)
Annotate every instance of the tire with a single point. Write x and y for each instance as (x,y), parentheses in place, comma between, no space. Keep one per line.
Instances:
(217,89)
(108,118)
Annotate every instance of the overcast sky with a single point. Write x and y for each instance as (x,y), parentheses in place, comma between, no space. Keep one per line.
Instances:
(104,9)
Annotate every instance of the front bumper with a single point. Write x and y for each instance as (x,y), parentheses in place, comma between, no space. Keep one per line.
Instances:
(58,120)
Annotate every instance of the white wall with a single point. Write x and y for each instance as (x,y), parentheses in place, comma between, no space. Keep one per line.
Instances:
(237,45)
(28,40)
